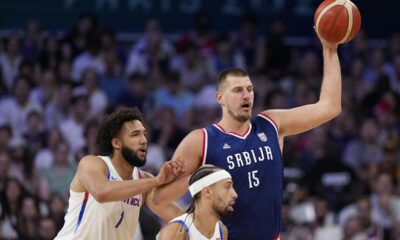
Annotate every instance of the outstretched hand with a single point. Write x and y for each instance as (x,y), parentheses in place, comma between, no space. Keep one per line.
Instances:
(324,42)
(170,171)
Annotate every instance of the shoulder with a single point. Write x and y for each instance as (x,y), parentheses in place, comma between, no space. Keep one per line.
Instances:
(193,140)
(271,116)
(196,134)
(174,230)
(92,162)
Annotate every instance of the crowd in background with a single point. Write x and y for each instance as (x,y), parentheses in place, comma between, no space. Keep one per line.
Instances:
(342,180)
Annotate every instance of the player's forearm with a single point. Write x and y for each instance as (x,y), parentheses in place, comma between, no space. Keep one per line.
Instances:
(166,211)
(331,90)
(122,190)
(170,192)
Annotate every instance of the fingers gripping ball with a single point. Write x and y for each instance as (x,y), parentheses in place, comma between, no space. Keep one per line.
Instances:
(337,21)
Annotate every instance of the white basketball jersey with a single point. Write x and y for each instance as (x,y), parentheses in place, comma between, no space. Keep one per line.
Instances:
(186,220)
(88,219)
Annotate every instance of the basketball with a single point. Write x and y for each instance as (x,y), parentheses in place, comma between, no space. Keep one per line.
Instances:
(337,21)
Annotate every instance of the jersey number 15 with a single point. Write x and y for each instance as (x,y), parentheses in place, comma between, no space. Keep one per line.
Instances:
(253,179)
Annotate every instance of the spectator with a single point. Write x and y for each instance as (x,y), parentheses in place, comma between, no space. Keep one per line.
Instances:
(35,134)
(5,137)
(172,95)
(112,82)
(250,43)
(225,57)
(385,205)
(14,110)
(136,93)
(32,40)
(364,150)
(60,176)
(97,98)
(47,89)
(58,209)
(22,165)
(47,229)
(82,32)
(50,56)
(166,131)
(58,110)
(5,162)
(44,158)
(88,59)
(354,230)
(192,68)
(72,128)
(151,55)
(11,200)
(10,61)
(28,218)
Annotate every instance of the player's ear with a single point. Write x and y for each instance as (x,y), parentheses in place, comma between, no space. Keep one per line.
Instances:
(116,143)
(218,97)
(207,192)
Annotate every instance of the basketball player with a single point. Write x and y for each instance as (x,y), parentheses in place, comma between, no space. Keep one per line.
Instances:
(108,190)
(213,198)
(250,149)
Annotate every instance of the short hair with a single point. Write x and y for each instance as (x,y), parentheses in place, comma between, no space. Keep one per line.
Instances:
(111,125)
(236,72)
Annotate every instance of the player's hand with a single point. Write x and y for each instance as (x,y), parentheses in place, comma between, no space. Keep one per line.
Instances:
(326,43)
(170,171)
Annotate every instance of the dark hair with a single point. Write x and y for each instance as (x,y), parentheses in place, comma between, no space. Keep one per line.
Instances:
(237,72)
(196,176)
(111,125)
(137,77)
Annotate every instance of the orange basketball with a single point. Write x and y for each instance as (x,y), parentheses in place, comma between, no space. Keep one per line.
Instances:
(337,21)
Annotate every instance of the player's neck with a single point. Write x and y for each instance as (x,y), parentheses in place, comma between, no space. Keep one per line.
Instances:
(123,168)
(231,125)
(205,220)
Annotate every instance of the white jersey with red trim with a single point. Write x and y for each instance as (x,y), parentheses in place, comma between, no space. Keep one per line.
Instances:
(186,220)
(88,219)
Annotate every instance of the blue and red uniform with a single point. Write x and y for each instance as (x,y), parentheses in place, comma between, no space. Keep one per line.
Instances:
(254,160)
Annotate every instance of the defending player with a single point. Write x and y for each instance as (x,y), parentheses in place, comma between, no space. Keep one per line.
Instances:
(213,197)
(107,191)
(250,149)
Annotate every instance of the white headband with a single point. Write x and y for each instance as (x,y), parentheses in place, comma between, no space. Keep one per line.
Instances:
(207,181)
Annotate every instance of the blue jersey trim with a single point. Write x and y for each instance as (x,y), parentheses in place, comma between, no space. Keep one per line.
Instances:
(220,231)
(120,219)
(85,199)
(183,224)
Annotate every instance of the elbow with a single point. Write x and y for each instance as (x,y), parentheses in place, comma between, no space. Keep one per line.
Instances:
(156,197)
(331,110)
(336,111)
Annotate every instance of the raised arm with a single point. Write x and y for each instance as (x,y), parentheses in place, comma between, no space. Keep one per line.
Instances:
(92,177)
(304,118)
(190,152)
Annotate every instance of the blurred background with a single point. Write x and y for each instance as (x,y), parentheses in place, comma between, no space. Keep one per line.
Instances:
(64,64)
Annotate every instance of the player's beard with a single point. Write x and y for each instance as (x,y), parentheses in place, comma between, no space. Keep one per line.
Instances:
(239,116)
(131,157)
(220,210)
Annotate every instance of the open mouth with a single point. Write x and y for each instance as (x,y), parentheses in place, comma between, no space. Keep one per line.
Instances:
(230,206)
(142,150)
(245,106)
